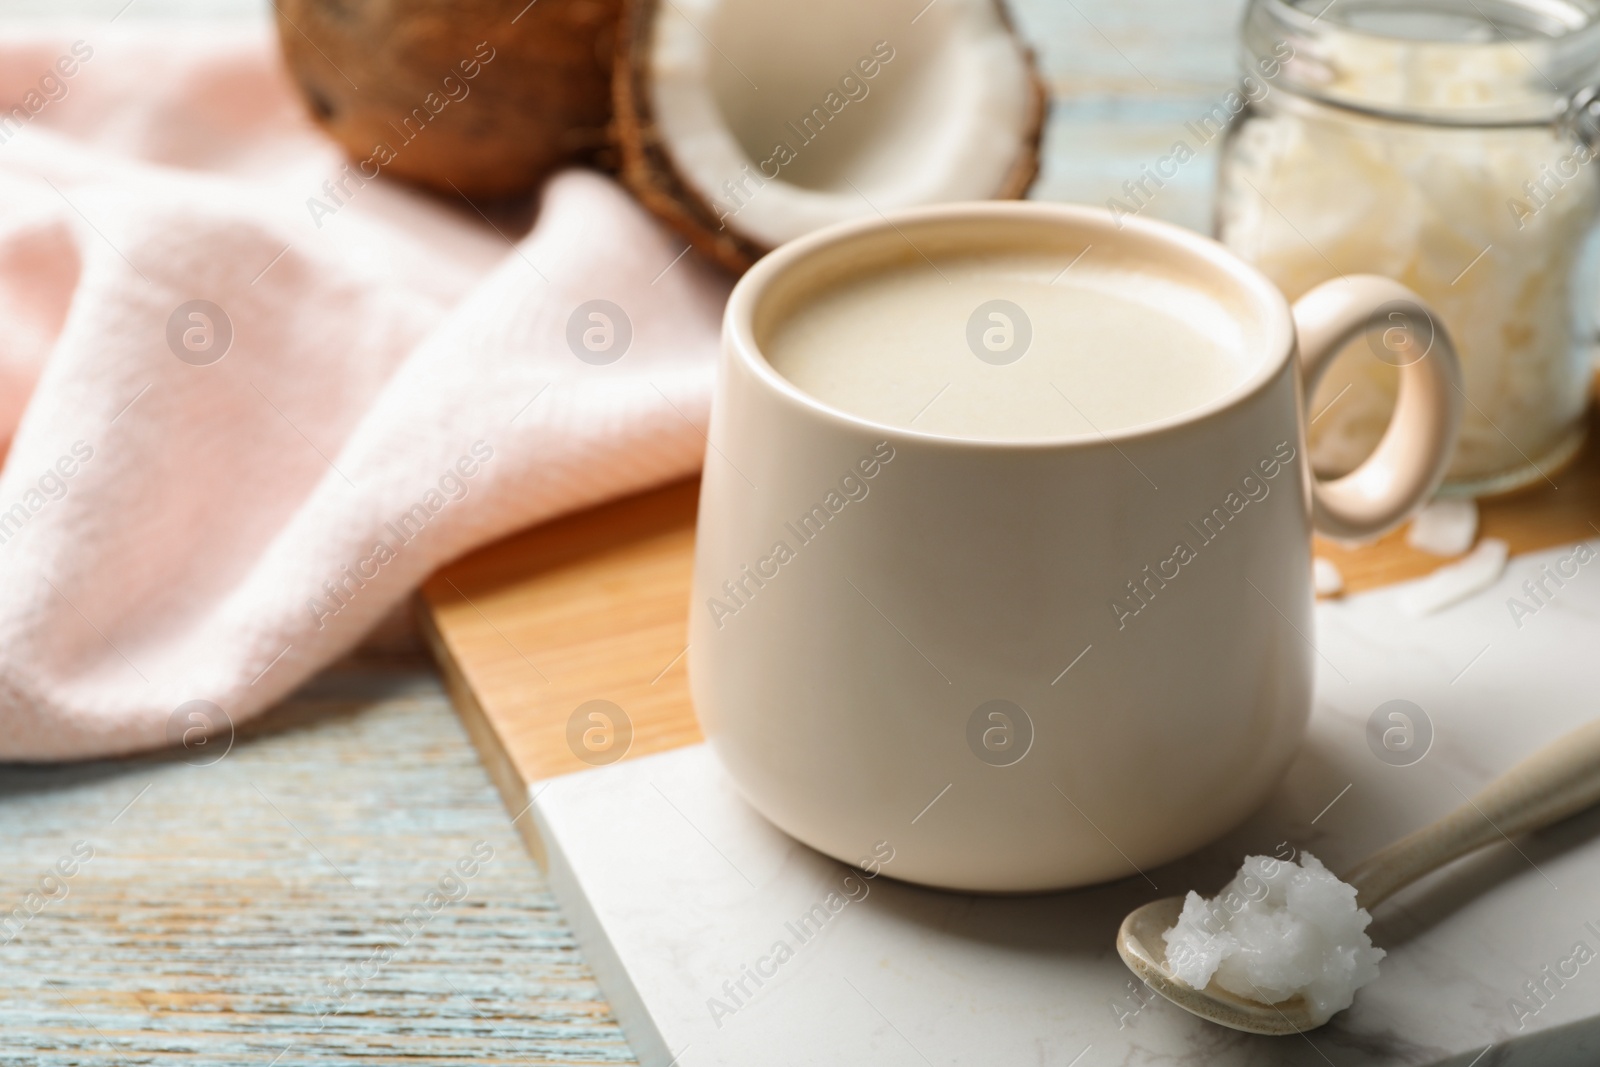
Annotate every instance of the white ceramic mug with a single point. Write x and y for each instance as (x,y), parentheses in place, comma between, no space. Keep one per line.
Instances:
(993,656)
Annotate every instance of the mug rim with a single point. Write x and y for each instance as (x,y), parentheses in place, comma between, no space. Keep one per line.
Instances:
(739,316)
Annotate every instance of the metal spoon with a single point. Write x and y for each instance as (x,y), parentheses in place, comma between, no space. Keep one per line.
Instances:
(1559,780)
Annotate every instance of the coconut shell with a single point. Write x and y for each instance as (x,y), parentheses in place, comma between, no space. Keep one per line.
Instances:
(484,97)
(648,170)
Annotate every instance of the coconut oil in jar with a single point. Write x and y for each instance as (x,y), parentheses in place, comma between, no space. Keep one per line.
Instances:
(1447,144)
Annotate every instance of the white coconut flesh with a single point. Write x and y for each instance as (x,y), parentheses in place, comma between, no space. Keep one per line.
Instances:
(787,117)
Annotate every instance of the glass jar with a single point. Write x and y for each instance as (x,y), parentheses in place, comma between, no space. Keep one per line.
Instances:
(1447,144)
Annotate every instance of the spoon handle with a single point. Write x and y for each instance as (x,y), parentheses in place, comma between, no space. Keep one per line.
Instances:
(1559,780)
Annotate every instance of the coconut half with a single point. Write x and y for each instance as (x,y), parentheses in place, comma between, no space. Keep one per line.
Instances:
(479,97)
(745,123)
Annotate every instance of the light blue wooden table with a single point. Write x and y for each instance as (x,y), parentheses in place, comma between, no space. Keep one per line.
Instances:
(230,913)
(240,913)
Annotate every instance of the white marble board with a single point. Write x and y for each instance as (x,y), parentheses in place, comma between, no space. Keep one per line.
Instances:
(675,887)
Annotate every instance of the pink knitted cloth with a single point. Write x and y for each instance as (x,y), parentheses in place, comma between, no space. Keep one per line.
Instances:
(249,412)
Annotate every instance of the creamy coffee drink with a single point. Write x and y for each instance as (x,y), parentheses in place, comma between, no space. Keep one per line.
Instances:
(1007,346)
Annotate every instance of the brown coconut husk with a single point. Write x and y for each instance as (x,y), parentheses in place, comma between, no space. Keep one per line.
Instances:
(374,72)
(648,170)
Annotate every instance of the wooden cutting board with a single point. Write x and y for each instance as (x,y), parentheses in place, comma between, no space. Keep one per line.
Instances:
(594,607)
(590,607)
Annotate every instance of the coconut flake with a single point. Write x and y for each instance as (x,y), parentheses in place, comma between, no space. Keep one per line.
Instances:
(1473,573)
(1325,577)
(1444,528)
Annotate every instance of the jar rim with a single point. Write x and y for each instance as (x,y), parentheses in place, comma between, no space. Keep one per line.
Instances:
(1441,62)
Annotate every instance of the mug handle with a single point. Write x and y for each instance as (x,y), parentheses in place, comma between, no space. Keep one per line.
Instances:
(1410,460)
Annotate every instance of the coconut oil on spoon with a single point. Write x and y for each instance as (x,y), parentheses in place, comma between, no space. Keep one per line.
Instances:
(1297,947)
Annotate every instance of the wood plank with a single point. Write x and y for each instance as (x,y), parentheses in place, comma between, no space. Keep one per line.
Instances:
(230,913)
(591,607)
